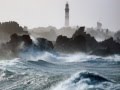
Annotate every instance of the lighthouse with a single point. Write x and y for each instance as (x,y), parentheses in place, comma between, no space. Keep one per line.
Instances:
(67,15)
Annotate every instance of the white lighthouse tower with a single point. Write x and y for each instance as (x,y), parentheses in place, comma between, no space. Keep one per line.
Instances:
(67,15)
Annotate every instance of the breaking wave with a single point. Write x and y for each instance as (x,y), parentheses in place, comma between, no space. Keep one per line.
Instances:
(77,57)
(41,62)
(87,81)
(55,71)
(6,73)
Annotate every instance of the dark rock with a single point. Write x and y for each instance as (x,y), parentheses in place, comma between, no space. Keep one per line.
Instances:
(112,45)
(79,32)
(9,28)
(80,42)
(64,44)
(107,47)
(20,44)
(101,52)
(44,44)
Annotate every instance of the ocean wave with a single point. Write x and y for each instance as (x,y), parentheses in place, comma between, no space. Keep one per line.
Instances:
(62,58)
(87,81)
(41,62)
(54,57)
(6,73)
(9,62)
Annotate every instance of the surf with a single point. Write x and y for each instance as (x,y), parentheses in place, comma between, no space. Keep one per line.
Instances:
(86,80)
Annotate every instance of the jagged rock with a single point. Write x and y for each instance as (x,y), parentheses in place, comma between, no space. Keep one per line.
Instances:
(65,44)
(112,45)
(79,32)
(80,42)
(44,44)
(91,43)
(15,45)
(9,28)
(101,52)
(24,43)
(107,47)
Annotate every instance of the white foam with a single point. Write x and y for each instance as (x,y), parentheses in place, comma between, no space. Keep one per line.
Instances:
(76,57)
(9,62)
(82,84)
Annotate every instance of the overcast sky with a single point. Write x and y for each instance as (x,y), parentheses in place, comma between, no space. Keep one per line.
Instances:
(35,13)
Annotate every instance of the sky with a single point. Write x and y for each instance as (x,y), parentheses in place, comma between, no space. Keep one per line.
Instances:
(42,13)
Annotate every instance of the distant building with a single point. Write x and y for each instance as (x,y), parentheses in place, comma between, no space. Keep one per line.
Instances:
(67,15)
(99,25)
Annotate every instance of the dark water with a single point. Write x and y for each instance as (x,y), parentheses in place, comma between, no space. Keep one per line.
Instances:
(46,71)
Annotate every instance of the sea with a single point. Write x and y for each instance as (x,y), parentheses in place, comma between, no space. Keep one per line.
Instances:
(58,71)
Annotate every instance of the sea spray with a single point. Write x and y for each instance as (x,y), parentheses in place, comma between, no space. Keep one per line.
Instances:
(49,71)
(85,80)
(62,58)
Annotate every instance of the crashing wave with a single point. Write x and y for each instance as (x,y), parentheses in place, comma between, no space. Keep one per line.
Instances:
(41,62)
(87,81)
(93,78)
(6,73)
(76,57)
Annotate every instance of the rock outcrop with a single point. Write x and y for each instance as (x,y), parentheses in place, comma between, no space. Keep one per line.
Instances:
(24,43)
(44,44)
(9,28)
(107,47)
(82,42)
